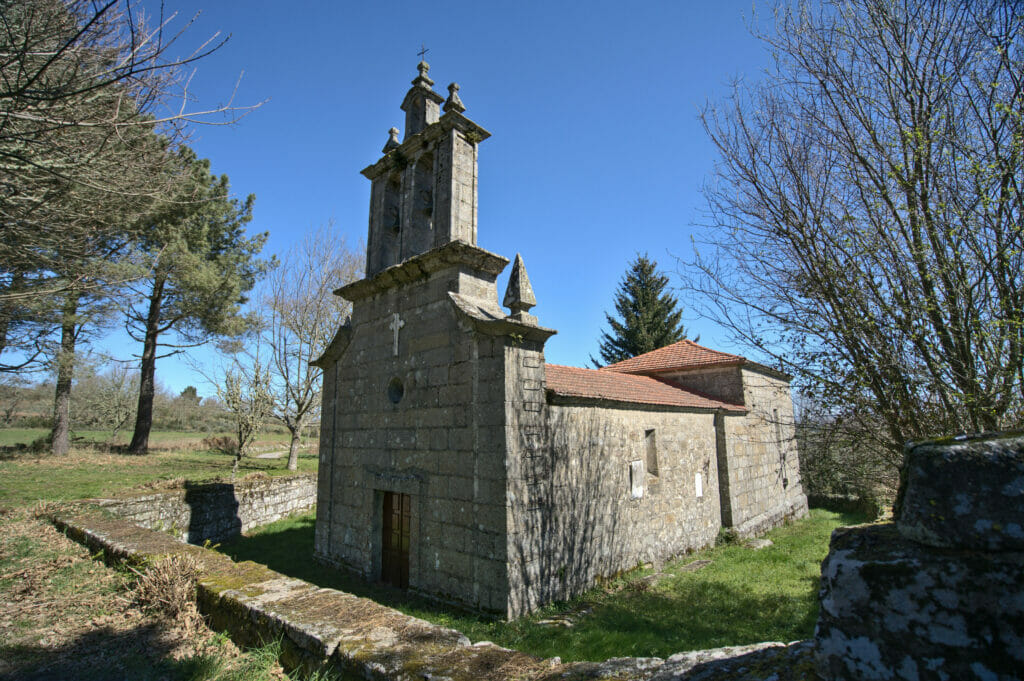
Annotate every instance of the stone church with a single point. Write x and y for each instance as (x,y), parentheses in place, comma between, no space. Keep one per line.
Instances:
(456,463)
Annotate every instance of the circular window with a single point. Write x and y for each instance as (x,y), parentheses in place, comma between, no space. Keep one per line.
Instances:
(395,390)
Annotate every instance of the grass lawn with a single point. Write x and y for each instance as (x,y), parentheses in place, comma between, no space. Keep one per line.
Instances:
(743,596)
(28,477)
(158,438)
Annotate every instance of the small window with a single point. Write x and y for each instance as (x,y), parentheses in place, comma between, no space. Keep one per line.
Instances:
(636,479)
(396,390)
(652,452)
(698,485)
(778,428)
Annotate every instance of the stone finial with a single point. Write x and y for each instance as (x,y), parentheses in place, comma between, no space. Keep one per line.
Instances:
(392,142)
(422,106)
(453,102)
(519,295)
(423,80)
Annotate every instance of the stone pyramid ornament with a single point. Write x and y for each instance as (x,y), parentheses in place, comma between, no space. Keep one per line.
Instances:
(454,103)
(392,142)
(519,295)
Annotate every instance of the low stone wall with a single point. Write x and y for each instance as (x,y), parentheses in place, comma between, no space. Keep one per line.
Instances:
(216,511)
(356,638)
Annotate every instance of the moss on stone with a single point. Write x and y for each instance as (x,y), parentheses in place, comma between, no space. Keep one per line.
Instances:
(239,577)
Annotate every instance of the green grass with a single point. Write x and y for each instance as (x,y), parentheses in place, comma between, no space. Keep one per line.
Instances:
(24,436)
(20,436)
(26,477)
(743,596)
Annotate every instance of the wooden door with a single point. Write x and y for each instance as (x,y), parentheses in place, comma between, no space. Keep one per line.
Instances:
(394,564)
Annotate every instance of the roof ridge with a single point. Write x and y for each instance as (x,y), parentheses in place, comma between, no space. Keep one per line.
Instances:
(682,354)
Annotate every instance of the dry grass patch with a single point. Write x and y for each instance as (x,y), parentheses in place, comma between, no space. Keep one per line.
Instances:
(167,588)
(65,615)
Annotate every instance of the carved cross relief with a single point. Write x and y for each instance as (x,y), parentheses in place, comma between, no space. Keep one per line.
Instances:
(395,325)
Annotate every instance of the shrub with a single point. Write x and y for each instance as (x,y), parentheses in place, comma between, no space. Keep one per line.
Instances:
(221,443)
(167,588)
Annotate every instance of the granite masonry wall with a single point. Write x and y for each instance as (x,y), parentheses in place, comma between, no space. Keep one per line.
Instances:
(619,487)
(528,473)
(762,470)
(758,467)
(216,511)
(426,420)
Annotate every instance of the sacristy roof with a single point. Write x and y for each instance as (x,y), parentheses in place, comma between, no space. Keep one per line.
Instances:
(598,384)
(684,354)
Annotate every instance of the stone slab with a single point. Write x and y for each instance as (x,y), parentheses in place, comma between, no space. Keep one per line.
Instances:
(964,494)
(892,608)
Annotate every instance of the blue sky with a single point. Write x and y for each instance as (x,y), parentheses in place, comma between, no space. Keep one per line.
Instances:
(597,152)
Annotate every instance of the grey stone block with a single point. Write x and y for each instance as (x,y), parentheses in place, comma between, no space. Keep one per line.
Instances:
(967,494)
(894,609)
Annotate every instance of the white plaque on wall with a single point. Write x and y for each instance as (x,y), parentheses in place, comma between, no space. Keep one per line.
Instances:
(698,485)
(636,479)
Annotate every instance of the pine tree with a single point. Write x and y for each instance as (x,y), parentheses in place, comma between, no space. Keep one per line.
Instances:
(649,315)
(203,265)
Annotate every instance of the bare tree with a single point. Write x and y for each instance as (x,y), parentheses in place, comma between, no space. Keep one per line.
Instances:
(247,395)
(105,400)
(301,315)
(867,211)
(12,396)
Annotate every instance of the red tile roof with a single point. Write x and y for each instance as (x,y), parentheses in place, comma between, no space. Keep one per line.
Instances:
(682,355)
(618,387)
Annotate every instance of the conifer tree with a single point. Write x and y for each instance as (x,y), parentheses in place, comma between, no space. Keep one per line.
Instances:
(203,265)
(650,316)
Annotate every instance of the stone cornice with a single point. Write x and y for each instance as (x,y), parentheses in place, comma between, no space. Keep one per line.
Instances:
(571,400)
(421,266)
(767,370)
(336,347)
(492,321)
(398,158)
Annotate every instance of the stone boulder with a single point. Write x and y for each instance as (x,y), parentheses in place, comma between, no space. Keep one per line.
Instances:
(965,494)
(939,594)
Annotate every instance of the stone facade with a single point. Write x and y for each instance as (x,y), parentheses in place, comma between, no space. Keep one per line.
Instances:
(585,517)
(760,467)
(456,463)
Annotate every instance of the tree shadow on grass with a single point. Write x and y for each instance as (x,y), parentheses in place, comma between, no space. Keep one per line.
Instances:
(141,653)
(636,621)
(660,624)
(290,552)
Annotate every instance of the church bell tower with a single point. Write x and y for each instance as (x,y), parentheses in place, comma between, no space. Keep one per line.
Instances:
(424,188)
